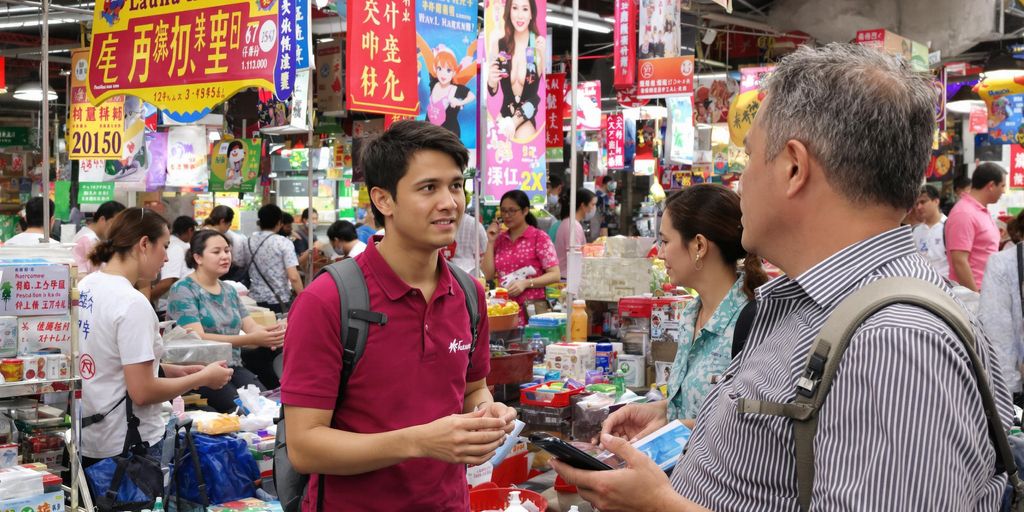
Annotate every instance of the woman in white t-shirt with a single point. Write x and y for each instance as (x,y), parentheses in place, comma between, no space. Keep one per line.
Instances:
(120,339)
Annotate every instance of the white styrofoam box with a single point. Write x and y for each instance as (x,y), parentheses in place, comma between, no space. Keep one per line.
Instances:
(609,279)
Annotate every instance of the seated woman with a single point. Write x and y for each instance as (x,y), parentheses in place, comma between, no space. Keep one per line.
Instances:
(201,303)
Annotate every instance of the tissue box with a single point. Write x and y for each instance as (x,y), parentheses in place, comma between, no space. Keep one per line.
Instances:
(8,336)
(634,370)
(572,359)
(44,334)
(54,502)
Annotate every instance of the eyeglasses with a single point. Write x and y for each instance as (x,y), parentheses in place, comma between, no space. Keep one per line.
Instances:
(510,211)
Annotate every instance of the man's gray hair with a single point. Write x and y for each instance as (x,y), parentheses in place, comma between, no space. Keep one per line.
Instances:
(863,114)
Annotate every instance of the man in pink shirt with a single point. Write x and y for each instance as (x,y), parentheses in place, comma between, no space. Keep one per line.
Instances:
(971,234)
(90,235)
(416,410)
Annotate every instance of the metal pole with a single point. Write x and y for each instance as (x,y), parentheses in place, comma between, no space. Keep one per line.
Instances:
(44,78)
(309,178)
(572,132)
(481,149)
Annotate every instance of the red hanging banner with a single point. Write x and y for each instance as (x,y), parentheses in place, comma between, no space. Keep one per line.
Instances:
(1016,166)
(555,100)
(381,63)
(616,141)
(625,43)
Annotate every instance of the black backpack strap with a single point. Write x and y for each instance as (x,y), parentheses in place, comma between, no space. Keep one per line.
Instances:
(827,352)
(743,324)
(1020,273)
(96,418)
(468,285)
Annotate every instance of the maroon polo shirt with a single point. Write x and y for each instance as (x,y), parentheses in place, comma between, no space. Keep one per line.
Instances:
(414,371)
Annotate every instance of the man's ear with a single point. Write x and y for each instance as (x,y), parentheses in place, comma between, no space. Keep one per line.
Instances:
(383,200)
(796,161)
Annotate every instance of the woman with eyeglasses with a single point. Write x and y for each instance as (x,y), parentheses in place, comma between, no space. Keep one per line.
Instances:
(522,258)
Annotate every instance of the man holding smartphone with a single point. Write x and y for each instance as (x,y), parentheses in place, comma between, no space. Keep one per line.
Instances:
(416,409)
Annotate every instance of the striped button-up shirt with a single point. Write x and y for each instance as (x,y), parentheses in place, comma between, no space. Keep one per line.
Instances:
(903,427)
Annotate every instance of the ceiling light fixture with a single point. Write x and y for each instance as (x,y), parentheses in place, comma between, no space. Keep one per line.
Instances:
(33,91)
(600,27)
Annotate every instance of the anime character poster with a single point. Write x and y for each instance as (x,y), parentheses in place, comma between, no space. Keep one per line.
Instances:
(446,44)
(235,165)
(515,32)
(129,172)
(711,99)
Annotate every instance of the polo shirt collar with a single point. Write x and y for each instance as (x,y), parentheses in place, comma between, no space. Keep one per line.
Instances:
(832,279)
(394,287)
(971,201)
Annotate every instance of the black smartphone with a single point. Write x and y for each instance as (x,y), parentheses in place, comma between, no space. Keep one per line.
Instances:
(567,453)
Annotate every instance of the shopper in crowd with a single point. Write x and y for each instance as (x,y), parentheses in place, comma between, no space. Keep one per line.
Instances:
(310,218)
(1000,308)
(344,239)
(90,235)
(470,243)
(961,184)
(930,235)
(555,187)
(521,258)
(701,246)
(120,340)
(182,231)
(367,228)
(32,232)
(416,409)
(606,208)
(586,208)
(221,218)
(274,273)
(205,305)
(971,233)
(904,390)
(287,226)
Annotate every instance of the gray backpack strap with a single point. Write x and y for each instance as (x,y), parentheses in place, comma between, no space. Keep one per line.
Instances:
(468,285)
(823,362)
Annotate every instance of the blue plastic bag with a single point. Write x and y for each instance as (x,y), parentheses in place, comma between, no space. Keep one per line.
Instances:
(229,470)
(141,483)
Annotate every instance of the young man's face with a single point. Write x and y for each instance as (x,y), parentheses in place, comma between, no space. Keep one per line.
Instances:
(429,203)
(926,207)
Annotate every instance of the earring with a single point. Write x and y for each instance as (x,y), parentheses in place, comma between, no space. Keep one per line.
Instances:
(697,264)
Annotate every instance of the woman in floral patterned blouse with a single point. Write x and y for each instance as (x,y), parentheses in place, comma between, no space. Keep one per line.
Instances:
(700,243)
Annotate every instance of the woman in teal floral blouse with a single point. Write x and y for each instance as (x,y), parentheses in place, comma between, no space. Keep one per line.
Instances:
(701,244)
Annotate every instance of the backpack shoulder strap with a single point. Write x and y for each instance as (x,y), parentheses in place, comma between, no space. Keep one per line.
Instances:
(823,362)
(468,285)
(743,325)
(1020,273)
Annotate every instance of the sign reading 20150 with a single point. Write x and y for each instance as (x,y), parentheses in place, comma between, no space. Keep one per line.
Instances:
(184,56)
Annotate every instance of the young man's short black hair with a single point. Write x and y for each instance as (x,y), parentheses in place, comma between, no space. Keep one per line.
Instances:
(108,210)
(385,158)
(986,173)
(182,225)
(269,216)
(287,218)
(342,230)
(932,192)
(555,181)
(305,214)
(961,182)
(34,212)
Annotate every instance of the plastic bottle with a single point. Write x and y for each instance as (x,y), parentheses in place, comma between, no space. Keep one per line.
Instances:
(605,357)
(654,394)
(178,407)
(515,504)
(537,345)
(580,320)
(620,384)
(531,311)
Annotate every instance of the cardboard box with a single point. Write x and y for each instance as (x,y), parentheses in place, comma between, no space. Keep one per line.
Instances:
(666,318)
(44,334)
(663,351)
(572,359)
(634,370)
(8,336)
(54,502)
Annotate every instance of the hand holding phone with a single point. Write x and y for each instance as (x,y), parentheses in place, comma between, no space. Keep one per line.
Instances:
(567,453)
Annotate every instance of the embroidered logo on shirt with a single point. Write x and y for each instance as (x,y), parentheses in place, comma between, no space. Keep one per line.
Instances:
(457,346)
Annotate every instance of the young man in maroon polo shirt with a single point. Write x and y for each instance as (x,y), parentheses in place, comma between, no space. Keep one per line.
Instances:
(415,411)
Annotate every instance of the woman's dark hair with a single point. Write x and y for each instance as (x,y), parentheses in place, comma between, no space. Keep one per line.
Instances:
(108,210)
(220,214)
(1015,228)
(714,211)
(127,228)
(583,198)
(508,42)
(522,200)
(198,245)
(385,158)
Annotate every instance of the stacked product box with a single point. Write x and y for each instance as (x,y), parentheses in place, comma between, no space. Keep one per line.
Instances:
(35,321)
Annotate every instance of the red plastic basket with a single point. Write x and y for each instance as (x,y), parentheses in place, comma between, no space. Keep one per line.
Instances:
(515,368)
(482,498)
(530,396)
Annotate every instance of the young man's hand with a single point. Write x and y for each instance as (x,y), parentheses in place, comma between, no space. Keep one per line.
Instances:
(502,412)
(460,438)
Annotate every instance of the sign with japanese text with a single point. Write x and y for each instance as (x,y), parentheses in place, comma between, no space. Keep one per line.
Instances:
(93,131)
(588,105)
(662,78)
(235,165)
(44,334)
(1016,166)
(979,119)
(516,38)
(381,48)
(751,78)
(556,96)
(34,289)
(185,58)
(330,76)
(294,50)
(616,141)
(913,52)
(446,37)
(659,29)
(15,136)
(95,192)
(186,157)
(625,43)
(680,133)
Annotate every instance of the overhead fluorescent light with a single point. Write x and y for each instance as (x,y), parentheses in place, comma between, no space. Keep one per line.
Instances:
(558,9)
(712,76)
(592,26)
(327,40)
(33,91)
(963,107)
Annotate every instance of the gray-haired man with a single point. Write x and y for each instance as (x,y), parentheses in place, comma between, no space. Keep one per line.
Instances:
(842,139)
